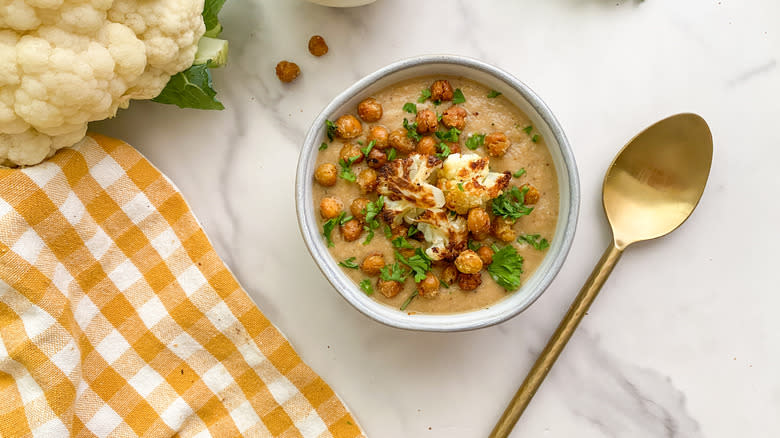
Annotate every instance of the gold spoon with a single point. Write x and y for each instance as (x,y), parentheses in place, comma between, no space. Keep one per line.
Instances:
(650,189)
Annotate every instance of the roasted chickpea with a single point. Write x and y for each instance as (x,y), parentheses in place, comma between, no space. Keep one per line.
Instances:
(351,150)
(352,230)
(486,254)
(367,180)
(326,174)
(287,71)
(376,159)
(468,262)
(358,208)
(373,263)
(426,121)
(370,110)
(389,288)
(502,229)
(532,195)
(478,221)
(496,144)
(454,148)
(441,90)
(449,274)
(399,230)
(330,207)
(317,45)
(348,126)
(469,282)
(378,134)
(399,140)
(429,287)
(454,117)
(427,146)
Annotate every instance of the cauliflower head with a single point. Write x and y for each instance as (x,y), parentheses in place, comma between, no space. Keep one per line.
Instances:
(447,234)
(404,184)
(64,63)
(467,182)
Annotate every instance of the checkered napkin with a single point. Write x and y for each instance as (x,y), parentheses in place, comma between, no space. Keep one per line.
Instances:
(117,318)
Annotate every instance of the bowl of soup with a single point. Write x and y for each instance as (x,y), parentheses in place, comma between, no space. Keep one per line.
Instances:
(438,193)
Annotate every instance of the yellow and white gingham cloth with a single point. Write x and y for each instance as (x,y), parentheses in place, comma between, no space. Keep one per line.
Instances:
(117,318)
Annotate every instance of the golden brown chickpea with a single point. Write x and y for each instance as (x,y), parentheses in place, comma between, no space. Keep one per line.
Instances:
(326,174)
(468,262)
(367,180)
(378,134)
(454,148)
(351,150)
(318,46)
(449,274)
(370,110)
(287,71)
(399,140)
(352,230)
(496,144)
(429,287)
(486,254)
(330,207)
(469,282)
(373,263)
(532,196)
(376,159)
(441,90)
(478,221)
(389,288)
(454,117)
(502,229)
(427,145)
(348,126)
(426,121)
(358,208)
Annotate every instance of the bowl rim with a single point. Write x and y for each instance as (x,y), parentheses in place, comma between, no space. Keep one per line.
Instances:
(312,237)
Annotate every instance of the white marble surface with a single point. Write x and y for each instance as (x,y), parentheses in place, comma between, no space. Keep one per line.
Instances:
(684,340)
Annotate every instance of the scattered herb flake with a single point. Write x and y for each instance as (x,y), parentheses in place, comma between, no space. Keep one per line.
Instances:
(330,129)
(345,219)
(519,173)
(349,263)
(533,240)
(443,284)
(475,141)
(493,94)
(412,231)
(388,232)
(329,225)
(393,273)
(410,108)
(528,129)
(458,97)
(391,154)
(409,300)
(460,186)
(360,142)
(506,267)
(366,287)
(474,245)
(511,204)
(451,136)
(424,95)
(535,138)
(368,148)
(444,151)
(346,170)
(411,130)
(323,146)
(369,234)
(402,243)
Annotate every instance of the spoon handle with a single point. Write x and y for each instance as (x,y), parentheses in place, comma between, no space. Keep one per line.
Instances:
(557,342)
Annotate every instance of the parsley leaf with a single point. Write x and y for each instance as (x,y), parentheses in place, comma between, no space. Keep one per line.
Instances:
(388,232)
(411,130)
(360,142)
(458,97)
(393,273)
(409,300)
(450,136)
(528,129)
(366,287)
(369,234)
(372,210)
(445,151)
(475,141)
(391,154)
(349,263)
(424,95)
(444,284)
(346,171)
(401,242)
(419,263)
(323,146)
(511,203)
(519,173)
(533,240)
(368,148)
(412,231)
(493,94)
(411,108)
(330,129)
(506,267)
(460,186)
(345,219)
(535,138)
(329,225)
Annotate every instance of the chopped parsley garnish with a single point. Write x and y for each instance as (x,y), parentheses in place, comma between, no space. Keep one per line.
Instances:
(411,108)
(368,148)
(444,284)
(366,287)
(439,116)
(451,136)
(519,173)
(474,245)
(372,210)
(369,234)
(330,129)
(412,231)
(506,267)
(360,142)
(409,300)
(533,240)
(329,225)
(475,141)
(349,263)
(445,151)
(401,242)
(391,153)
(535,138)
(323,146)
(493,94)
(528,129)
(388,232)
(411,130)
(424,95)
(460,186)
(393,273)
(511,203)
(458,97)
(419,263)
(345,219)
(346,170)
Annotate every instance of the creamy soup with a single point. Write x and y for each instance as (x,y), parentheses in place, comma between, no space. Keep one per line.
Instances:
(448,188)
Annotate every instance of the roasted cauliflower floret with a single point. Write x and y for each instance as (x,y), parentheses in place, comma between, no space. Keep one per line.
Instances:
(467,182)
(404,184)
(447,233)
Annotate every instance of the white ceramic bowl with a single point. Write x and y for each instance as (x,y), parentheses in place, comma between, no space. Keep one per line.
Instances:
(541,118)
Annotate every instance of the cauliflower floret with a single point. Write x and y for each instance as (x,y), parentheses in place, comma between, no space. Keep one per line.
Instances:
(404,184)
(447,233)
(64,63)
(468,183)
